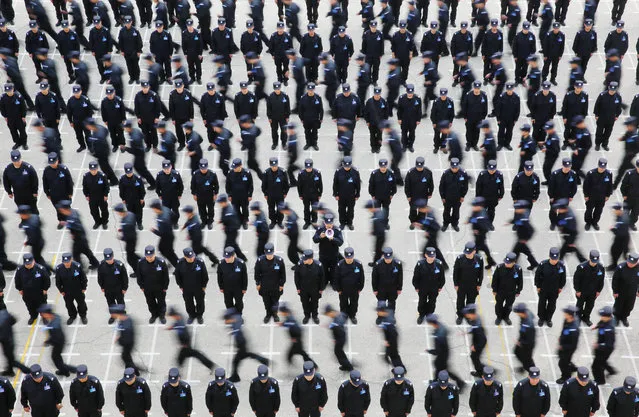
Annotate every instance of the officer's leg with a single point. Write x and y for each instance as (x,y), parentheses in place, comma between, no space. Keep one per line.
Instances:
(341,356)
(131,257)
(598,367)
(541,306)
(551,306)
(151,303)
(305,299)
(508,306)
(68,302)
(56,357)
(597,211)
(475,359)
(499,306)
(460,303)
(454,218)
(379,244)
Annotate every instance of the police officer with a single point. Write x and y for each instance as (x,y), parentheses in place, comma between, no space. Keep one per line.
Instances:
(57,183)
(428,281)
(486,394)
(311,113)
(275,187)
(33,230)
(387,279)
(261,227)
(80,244)
(95,187)
(622,401)
(531,396)
(330,238)
(490,186)
(561,185)
(566,220)
(72,282)
(524,45)
(598,187)
(176,398)
(397,396)
(310,283)
(147,110)
(568,342)
(382,186)
(526,341)
(232,279)
(132,394)
(278,111)
(553,46)
(526,185)
(630,194)
(631,143)
(113,280)
(194,228)
(192,278)
(453,187)
(169,187)
(204,188)
(507,112)
(339,330)
(341,48)
(311,188)
(113,114)
(235,321)
(506,284)
(128,234)
(264,393)
(621,230)
(441,349)
(604,346)
(607,109)
(346,190)
(588,281)
(550,279)
(32,281)
(56,339)
(8,344)
(409,114)
(270,277)
(20,181)
(14,111)
(442,397)
(126,336)
(41,392)
(353,396)
(349,282)
(86,394)
(309,394)
(468,275)
(525,231)
(153,279)
(443,111)
(184,339)
(474,109)
(624,288)
(231,224)
(376,111)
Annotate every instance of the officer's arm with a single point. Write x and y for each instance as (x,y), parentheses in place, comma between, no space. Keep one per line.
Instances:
(612,405)
(562,276)
(124,277)
(500,399)
(546,399)
(517,399)
(244,277)
(455,403)
(147,396)
(24,395)
(324,392)
(472,400)
(46,279)
(595,404)
(164,400)
(539,276)
(57,391)
(341,406)
(165,276)
(563,398)
(520,281)
(99,400)
(11,396)
(235,400)
(428,399)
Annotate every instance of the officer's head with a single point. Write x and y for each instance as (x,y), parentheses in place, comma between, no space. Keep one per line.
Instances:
(309,370)
(64,207)
(478,203)
(189,211)
(273,162)
(46,312)
(605,313)
(269,251)
(204,165)
(108,256)
(510,259)
(82,373)
(128,21)
(307,257)
(174,377)
(53,160)
(28,260)
(156,206)
(632,259)
(349,255)
(189,254)
(630,123)
(117,311)
(383,165)
(569,313)
(36,372)
(553,256)
(308,165)
(262,373)
(619,26)
(145,86)
(387,254)
(282,309)
(470,312)
(149,253)
(488,375)
(280,27)
(470,250)
(67,259)
(179,84)
(566,165)
(159,26)
(617,208)
(129,376)
(430,254)
(629,384)
(229,254)
(533,375)
(492,166)
(612,88)
(377,93)
(222,200)
(210,88)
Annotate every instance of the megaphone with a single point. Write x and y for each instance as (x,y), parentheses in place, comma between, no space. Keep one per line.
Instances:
(329,233)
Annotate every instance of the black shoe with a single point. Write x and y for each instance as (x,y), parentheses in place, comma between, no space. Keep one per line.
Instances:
(70,321)
(540,323)
(80,149)
(532,267)
(152,319)
(625,322)
(549,323)
(131,81)
(456,228)
(606,148)
(306,147)
(267,318)
(273,147)
(140,227)
(420,319)
(306,226)
(200,320)
(552,227)
(316,320)
(458,321)
(378,320)
(350,227)
(444,228)
(475,374)
(305,320)
(62,373)
(316,147)
(111,320)
(597,147)
(180,148)
(595,226)
(151,187)
(8,372)
(96,225)
(508,322)
(560,381)
(31,320)
(209,226)
(587,226)
(276,318)
(633,227)
(190,320)
(371,264)
(271,225)
(105,225)
(234,378)
(84,320)
(588,322)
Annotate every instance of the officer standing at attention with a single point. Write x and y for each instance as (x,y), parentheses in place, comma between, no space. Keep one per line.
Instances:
(623,400)
(270,277)
(428,279)
(153,279)
(86,394)
(568,342)
(453,187)
(526,342)
(264,394)
(41,393)
(169,187)
(624,288)
(275,187)
(71,281)
(113,280)
(382,187)
(588,282)
(506,284)
(204,188)
(598,187)
(176,398)
(192,278)
(487,394)
(346,190)
(418,185)
(32,281)
(14,111)
(278,111)
(353,396)
(310,283)
(349,282)
(550,279)
(490,186)
(397,396)
(95,187)
(232,279)
(311,113)
(132,395)
(309,394)
(387,279)
(468,274)
(57,183)
(20,181)
(579,396)
(531,396)
(442,397)
(311,187)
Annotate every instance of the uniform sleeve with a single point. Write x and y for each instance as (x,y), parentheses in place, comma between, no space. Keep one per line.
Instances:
(147,396)
(611,407)
(11,396)
(455,403)
(324,394)
(235,400)
(595,404)
(563,400)
(500,399)
(400,276)
(472,400)
(341,401)
(57,390)
(244,277)
(428,399)
(295,398)
(517,399)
